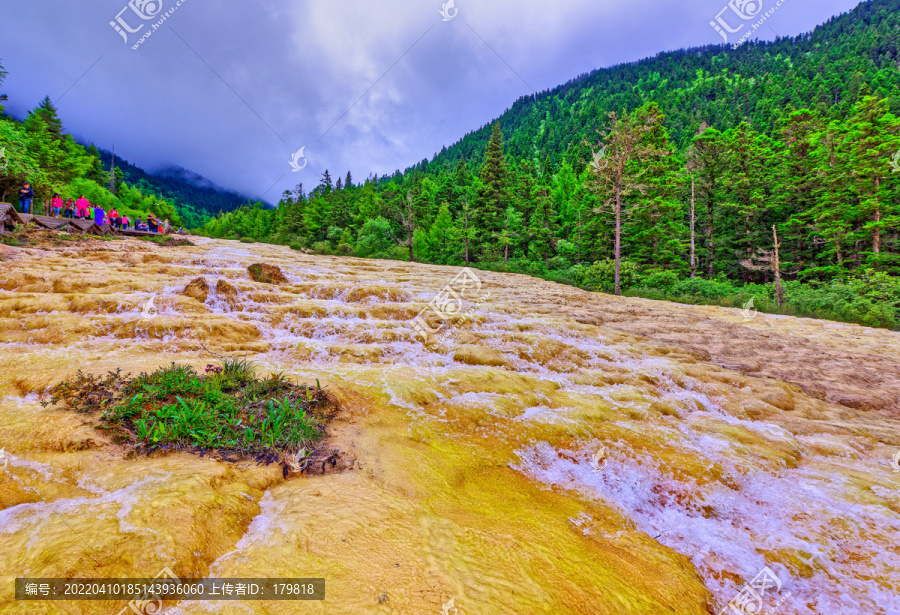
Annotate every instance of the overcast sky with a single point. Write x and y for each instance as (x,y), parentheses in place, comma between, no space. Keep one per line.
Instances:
(231,89)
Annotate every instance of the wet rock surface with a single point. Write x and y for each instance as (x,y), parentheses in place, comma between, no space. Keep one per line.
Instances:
(197,289)
(552,451)
(267,274)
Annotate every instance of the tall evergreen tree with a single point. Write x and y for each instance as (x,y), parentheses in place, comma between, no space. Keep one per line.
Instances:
(708,154)
(493,195)
(621,168)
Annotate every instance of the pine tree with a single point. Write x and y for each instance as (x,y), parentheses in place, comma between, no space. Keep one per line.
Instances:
(493,195)
(442,239)
(748,157)
(510,233)
(708,154)
(654,232)
(325,185)
(873,136)
(47,111)
(541,226)
(621,168)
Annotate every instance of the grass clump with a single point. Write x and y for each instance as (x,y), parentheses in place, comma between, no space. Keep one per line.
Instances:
(229,409)
(10,241)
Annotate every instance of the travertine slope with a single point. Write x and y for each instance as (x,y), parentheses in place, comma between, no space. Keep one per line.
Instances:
(555,452)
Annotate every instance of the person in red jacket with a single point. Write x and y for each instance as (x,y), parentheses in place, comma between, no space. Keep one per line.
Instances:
(114,218)
(56,205)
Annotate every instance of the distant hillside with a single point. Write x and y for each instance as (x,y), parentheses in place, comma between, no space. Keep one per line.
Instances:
(704,86)
(196,197)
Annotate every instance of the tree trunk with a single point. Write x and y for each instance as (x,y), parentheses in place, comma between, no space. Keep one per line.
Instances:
(112,172)
(693,241)
(618,242)
(409,224)
(840,256)
(779,291)
(466,229)
(876,232)
(506,242)
(710,250)
(578,253)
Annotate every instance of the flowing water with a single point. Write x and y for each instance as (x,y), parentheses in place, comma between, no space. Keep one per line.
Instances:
(529,459)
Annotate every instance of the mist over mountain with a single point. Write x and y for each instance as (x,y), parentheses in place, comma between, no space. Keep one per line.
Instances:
(183,187)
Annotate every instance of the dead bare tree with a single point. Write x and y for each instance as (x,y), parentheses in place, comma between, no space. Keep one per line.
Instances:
(693,236)
(465,212)
(768,260)
(404,214)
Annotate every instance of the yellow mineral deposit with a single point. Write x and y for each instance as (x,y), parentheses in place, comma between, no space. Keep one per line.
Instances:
(728,445)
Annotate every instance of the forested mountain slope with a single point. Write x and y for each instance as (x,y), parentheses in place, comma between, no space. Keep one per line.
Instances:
(713,85)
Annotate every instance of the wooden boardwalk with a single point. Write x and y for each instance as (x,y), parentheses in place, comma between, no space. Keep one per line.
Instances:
(10,218)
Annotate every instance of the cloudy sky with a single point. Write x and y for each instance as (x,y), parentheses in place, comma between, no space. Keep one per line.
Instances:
(231,89)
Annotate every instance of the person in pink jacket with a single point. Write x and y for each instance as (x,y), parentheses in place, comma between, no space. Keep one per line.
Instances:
(56,204)
(81,207)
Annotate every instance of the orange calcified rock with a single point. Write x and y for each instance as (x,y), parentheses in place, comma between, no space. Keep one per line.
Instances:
(472,469)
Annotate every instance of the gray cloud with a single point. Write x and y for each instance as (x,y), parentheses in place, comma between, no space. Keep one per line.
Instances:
(230,89)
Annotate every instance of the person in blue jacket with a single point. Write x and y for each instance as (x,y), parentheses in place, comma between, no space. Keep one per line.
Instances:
(26,196)
(99,215)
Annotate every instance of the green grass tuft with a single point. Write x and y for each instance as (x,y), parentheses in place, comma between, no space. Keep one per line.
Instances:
(227,409)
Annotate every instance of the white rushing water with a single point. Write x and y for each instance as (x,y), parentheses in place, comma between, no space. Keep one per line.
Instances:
(749,513)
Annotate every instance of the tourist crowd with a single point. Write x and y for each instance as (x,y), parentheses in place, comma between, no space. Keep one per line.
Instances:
(83,209)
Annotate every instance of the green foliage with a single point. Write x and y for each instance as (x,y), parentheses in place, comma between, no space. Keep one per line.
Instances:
(228,409)
(321,247)
(375,239)
(871,299)
(38,152)
(9,240)
(796,134)
(238,371)
(600,276)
